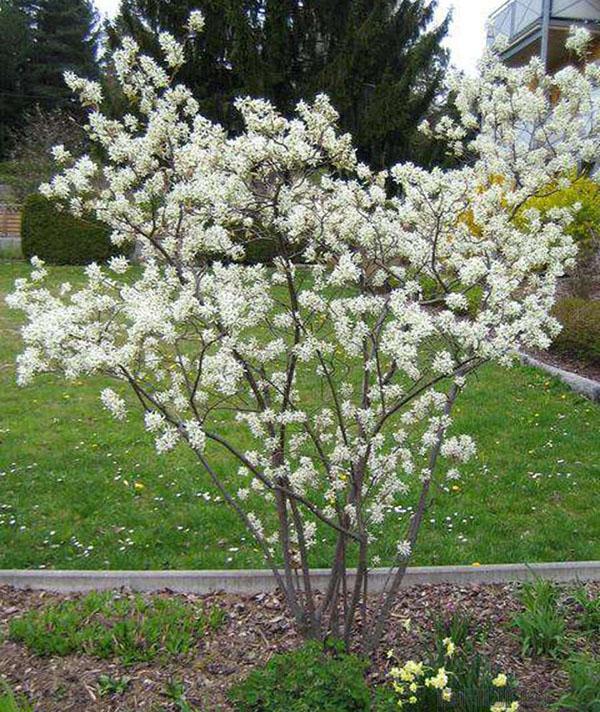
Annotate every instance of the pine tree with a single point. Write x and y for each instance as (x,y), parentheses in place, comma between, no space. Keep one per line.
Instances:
(381,61)
(222,60)
(383,67)
(15,52)
(64,39)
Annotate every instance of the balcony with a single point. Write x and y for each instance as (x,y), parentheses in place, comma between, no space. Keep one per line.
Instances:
(521,21)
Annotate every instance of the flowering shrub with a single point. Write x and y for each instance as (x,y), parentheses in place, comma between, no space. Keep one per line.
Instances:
(196,340)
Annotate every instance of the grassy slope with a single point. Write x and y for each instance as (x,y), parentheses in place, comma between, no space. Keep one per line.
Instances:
(68,474)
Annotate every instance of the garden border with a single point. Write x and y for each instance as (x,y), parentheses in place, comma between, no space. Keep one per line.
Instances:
(587,387)
(260,581)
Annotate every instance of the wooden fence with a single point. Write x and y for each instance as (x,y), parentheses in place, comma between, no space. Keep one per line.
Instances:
(10,221)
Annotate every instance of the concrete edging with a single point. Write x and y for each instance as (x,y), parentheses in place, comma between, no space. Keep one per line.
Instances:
(580,384)
(258,581)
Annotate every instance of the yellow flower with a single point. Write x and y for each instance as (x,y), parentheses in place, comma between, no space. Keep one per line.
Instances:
(412,700)
(414,668)
(438,681)
(476,563)
(500,680)
(138,486)
(413,687)
(406,624)
(450,647)
(447,694)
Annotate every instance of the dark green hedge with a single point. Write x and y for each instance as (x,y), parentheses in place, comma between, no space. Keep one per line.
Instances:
(262,251)
(59,238)
(580,337)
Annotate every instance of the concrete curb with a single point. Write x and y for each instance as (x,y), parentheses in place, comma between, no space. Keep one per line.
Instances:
(585,386)
(258,581)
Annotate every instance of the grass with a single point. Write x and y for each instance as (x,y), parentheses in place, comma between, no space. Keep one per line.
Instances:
(78,490)
(110,626)
(9,702)
(541,624)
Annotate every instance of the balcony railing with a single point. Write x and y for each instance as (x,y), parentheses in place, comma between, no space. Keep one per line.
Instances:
(517,18)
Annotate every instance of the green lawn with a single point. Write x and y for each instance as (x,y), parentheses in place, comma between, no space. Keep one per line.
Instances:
(68,474)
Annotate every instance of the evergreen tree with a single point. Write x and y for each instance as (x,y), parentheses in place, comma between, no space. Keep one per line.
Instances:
(222,62)
(383,68)
(15,52)
(381,61)
(64,39)
(39,41)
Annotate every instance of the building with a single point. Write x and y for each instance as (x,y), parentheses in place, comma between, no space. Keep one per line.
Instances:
(539,27)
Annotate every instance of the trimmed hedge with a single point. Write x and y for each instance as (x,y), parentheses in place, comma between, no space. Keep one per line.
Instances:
(580,336)
(59,238)
(261,251)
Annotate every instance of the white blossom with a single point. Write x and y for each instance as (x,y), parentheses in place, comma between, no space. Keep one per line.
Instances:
(328,379)
(113,403)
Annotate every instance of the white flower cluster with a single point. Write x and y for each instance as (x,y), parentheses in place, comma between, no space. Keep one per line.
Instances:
(342,361)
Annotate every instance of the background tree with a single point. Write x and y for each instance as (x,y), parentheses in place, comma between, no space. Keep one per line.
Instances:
(30,155)
(382,64)
(39,41)
(65,39)
(15,51)
(380,61)
(224,60)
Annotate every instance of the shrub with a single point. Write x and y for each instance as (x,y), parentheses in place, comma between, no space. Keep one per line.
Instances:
(584,229)
(134,629)
(584,683)
(59,238)
(580,335)
(262,251)
(584,192)
(541,625)
(305,680)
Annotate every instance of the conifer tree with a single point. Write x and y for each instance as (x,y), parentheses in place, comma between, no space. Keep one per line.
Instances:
(15,51)
(222,60)
(381,61)
(64,39)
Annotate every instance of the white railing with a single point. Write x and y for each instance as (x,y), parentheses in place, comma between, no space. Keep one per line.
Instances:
(514,18)
(576,9)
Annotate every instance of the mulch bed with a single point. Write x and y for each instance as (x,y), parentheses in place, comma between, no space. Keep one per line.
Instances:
(256,627)
(568,363)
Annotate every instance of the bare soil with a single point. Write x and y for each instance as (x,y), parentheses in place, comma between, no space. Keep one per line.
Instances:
(256,627)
